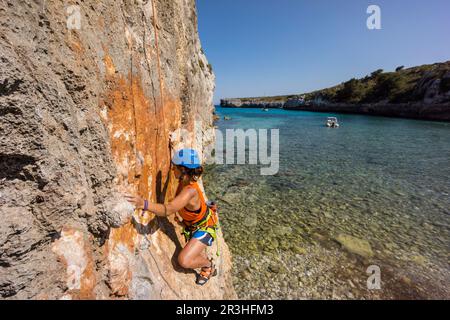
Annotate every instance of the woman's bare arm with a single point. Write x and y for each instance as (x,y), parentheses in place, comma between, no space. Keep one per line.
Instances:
(164,210)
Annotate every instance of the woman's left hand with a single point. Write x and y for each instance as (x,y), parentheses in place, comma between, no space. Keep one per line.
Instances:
(137,201)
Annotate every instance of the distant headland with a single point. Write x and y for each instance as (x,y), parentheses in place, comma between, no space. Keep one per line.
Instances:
(421,92)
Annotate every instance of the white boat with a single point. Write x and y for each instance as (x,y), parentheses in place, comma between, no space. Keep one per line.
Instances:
(332,122)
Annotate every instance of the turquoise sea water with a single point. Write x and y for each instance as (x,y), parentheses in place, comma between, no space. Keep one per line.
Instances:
(385,182)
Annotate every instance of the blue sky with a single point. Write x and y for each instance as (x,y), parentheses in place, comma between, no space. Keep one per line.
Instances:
(271,47)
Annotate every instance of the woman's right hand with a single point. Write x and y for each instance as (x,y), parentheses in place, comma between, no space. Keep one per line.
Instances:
(137,201)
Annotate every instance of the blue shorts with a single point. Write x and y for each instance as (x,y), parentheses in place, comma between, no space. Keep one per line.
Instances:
(204,237)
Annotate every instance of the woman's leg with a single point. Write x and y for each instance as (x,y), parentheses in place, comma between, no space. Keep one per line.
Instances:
(193,255)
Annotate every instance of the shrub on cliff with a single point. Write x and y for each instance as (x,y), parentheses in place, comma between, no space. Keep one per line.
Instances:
(201,64)
(389,86)
(376,73)
(351,92)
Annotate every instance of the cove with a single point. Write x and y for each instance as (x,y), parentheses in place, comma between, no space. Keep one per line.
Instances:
(374,192)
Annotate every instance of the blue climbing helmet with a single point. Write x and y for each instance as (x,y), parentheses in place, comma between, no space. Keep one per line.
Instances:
(187,158)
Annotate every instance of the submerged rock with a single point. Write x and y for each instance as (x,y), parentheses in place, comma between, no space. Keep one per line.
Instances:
(274,268)
(328,215)
(298,250)
(282,230)
(354,245)
(419,259)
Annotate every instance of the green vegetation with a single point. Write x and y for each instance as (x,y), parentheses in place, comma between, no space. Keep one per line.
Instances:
(387,86)
(376,73)
(401,86)
(201,64)
(271,99)
(351,91)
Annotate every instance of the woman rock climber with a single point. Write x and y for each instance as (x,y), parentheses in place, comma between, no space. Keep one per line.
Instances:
(199,219)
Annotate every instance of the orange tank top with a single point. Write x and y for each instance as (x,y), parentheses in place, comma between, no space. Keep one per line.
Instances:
(190,218)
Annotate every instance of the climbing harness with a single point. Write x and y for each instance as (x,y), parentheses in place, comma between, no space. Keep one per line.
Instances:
(206,220)
(204,225)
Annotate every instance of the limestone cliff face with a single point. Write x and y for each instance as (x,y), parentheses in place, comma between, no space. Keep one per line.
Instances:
(89,94)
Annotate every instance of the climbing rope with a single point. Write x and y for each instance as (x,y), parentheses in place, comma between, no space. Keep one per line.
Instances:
(160,79)
(158,54)
(158,59)
(136,156)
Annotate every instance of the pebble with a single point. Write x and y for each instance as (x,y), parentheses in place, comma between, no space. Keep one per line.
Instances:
(274,268)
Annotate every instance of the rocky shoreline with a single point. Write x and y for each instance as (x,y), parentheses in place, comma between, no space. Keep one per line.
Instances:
(435,112)
(238,103)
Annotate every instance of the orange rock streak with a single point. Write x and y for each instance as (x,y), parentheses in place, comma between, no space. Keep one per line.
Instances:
(139,129)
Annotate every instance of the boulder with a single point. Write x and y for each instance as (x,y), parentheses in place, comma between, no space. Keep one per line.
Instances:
(354,245)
